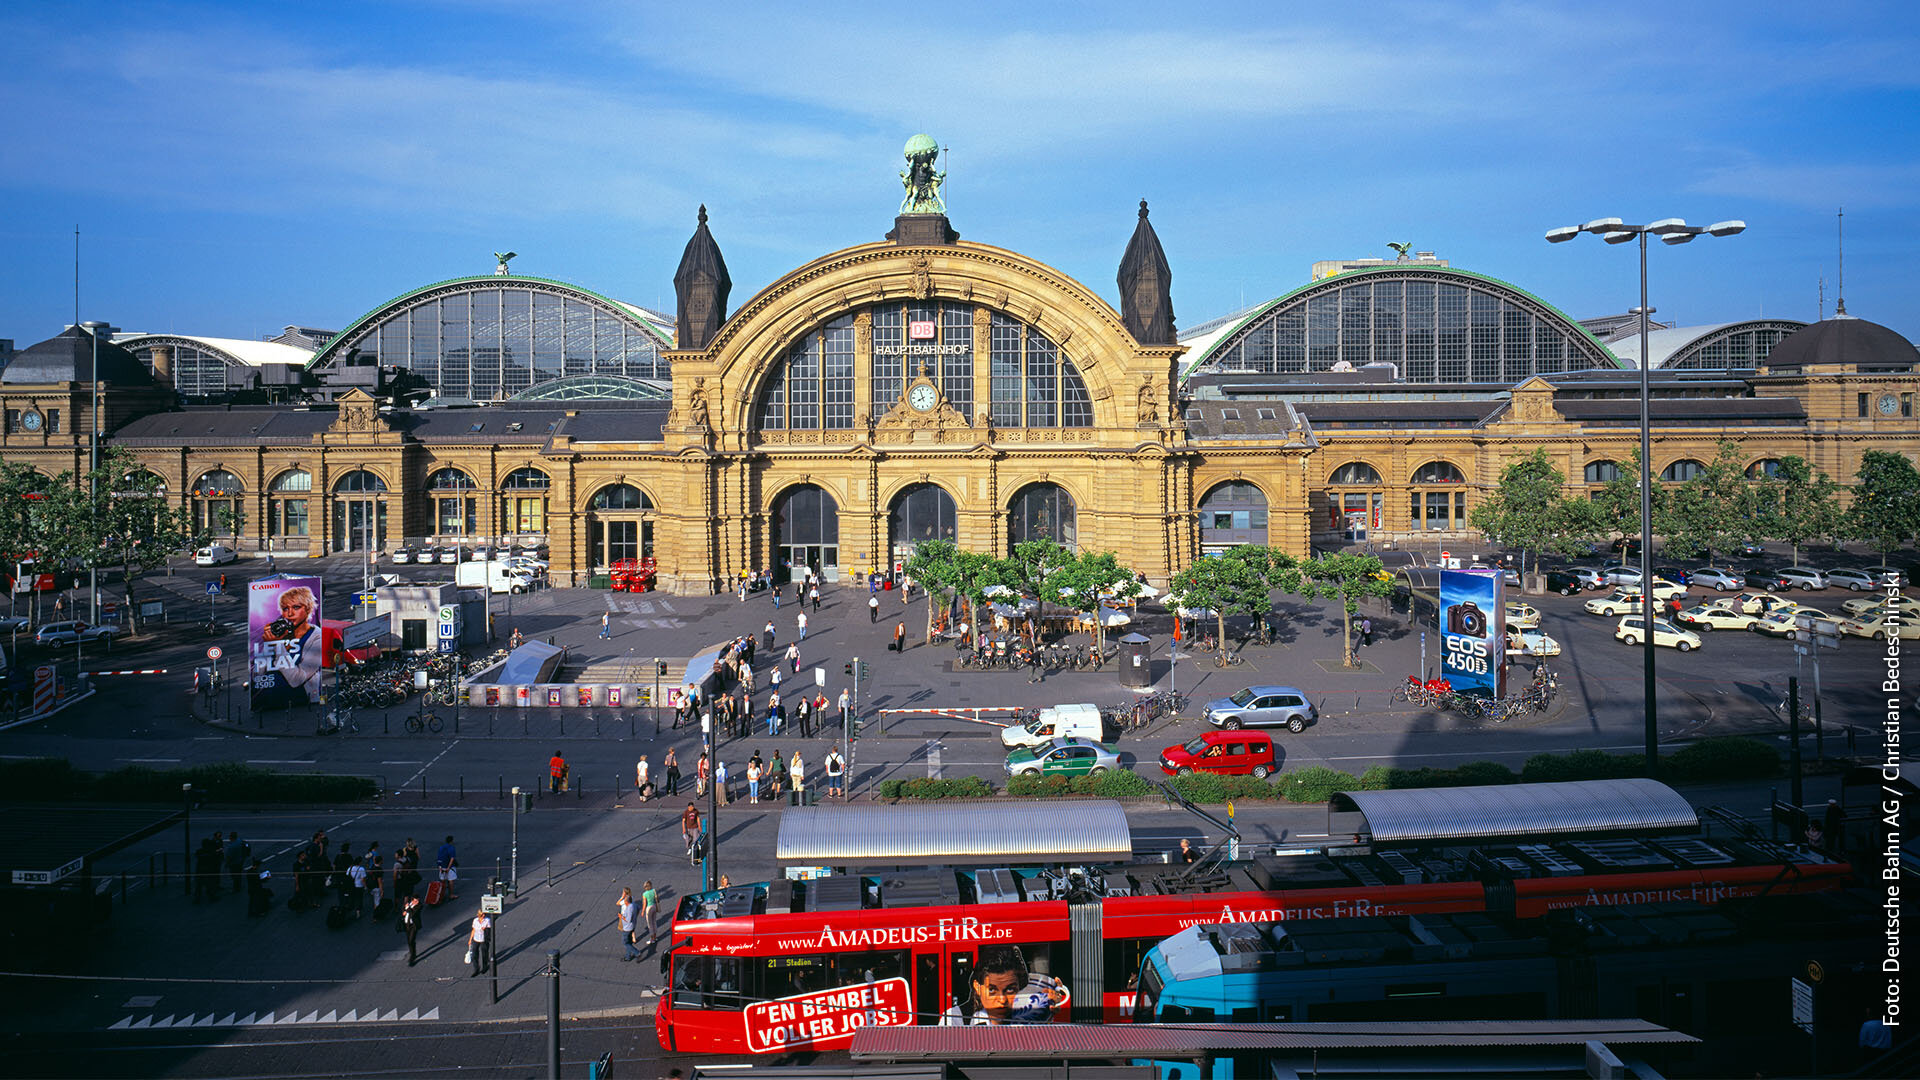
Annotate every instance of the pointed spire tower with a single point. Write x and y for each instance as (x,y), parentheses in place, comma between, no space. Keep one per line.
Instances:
(700,289)
(1146,286)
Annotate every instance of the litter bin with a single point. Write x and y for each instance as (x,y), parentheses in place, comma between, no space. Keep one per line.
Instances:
(1136,662)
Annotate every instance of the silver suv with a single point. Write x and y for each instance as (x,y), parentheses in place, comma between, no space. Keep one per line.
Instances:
(1857,580)
(1263,706)
(1804,578)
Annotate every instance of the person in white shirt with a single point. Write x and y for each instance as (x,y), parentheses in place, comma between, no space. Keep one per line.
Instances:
(479,936)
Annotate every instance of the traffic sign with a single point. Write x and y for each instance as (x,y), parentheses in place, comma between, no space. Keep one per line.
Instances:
(213,652)
(1802,1005)
(365,598)
(213,588)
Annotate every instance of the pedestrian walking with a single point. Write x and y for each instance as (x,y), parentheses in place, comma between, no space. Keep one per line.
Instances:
(753,779)
(516,639)
(873,608)
(835,767)
(802,620)
(625,911)
(900,636)
(1035,673)
(556,772)
(238,853)
(649,904)
(1366,632)
(721,794)
(813,594)
(846,702)
(479,936)
(672,763)
(802,711)
(767,633)
(776,714)
(797,772)
(773,679)
(818,712)
(689,826)
(410,911)
(606,625)
(776,598)
(642,786)
(448,862)
(793,656)
(702,775)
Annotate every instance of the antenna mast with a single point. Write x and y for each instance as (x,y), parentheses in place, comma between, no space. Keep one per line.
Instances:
(1823,299)
(76,275)
(1840,286)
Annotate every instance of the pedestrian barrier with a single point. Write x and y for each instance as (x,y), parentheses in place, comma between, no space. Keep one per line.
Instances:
(971,714)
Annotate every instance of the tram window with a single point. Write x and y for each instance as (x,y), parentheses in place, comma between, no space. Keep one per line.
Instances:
(707,982)
(784,976)
(1008,983)
(1123,962)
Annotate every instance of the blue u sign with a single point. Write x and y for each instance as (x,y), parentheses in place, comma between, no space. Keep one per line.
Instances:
(1473,630)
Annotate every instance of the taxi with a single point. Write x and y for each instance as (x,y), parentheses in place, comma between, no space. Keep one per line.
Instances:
(1715,616)
(1522,616)
(1782,622)
(1759,603)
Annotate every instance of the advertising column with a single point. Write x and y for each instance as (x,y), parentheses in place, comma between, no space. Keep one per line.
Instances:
(1473,628)
(284,642)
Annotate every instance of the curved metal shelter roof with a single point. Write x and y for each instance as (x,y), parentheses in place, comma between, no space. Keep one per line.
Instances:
(596,388)
(232,350)
(1692,346)
(1632,805)
(1000,832)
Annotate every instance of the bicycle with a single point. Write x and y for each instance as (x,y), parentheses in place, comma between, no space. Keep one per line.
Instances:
(1227,659)
(424,722)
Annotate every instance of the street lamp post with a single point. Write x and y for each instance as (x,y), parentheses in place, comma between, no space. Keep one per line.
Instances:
(1670,231)
(94,330)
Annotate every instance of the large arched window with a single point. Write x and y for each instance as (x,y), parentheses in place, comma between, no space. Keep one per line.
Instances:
(1439,503)
(921,512)
(1355,474)
(489,338)
(218,509)
(812,387)
(455,502)
(1355,496)
(806,532)
(1032,384)
(287,505)
(1232,513)
(359,512)
(938,333)
(1764,469)
(619,525)
(1602,472)
(1682,470)
(1433,324)
(523,501)
(1043,512)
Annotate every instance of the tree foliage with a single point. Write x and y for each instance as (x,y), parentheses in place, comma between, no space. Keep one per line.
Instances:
(1798,504)
(1714,510)
(1615,510)
(116,515)
(1031,564)
(1347,578)
(1090,579)
(1886,502)
(1530,510)
(1239,581)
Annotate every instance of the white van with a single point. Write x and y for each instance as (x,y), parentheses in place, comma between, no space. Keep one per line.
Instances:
(1056,722)
(214,555)
(492,575)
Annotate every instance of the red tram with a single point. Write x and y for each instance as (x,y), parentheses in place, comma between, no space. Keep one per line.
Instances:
(801,965)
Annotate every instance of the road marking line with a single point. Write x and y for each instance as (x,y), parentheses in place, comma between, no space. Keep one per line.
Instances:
(152,760)
(415,761)
(274,761)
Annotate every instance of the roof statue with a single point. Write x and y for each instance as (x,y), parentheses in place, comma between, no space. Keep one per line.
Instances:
(1401,250)
(922,180)
(503,258)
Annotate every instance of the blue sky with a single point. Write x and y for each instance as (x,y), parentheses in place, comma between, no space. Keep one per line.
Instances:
(238,167)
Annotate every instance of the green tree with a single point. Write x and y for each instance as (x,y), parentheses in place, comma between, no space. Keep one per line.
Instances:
(117,516)
(934,565)
(1091,579)
(1529,510)
(1236,582)
(1714,510)
(1798,505)
(21,490)
(1886,502)
(1030,566)
(1343,577)
(1615,509)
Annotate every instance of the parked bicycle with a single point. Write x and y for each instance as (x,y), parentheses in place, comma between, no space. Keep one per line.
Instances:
(420,722)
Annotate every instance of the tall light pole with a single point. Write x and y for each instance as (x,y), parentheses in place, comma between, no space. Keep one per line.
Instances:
(1670,231)
(94,330)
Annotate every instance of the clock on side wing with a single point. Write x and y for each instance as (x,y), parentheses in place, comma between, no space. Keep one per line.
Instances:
(923,397)
(1888,404)
(31,420)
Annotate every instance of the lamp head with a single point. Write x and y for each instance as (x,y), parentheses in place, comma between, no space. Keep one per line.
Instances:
(1678,238)
(1562,234)
(1666,226)
(1601,225)
(1618,237)
(1726,228)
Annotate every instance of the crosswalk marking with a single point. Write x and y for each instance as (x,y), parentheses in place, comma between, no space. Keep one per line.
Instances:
(254,1019)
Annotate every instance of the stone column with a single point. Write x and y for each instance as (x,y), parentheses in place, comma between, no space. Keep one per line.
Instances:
(982,367)
(862,371)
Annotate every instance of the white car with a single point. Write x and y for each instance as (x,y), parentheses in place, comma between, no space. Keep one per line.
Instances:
(1873,624)
(1857,580)
(1618,603)
(1531,643)
(1760,603)
(1907,606)
(1630,630)
(1782,622)
(450,555)
(1522,617)
(401,555)
(1717,577)
(1715,616)
(214,555)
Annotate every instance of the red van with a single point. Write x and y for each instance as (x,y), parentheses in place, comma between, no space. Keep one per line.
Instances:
(1229,752)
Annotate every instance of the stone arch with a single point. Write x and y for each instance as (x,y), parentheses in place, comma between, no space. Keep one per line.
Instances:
(803,529)
(619,517)
(919,510)
(1029,519)
(1682,469)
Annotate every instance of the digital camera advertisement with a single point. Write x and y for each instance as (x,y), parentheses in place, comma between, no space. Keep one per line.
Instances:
(285,643)
(1473,631)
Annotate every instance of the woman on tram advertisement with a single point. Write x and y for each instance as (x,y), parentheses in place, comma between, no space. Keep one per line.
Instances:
(1003,991)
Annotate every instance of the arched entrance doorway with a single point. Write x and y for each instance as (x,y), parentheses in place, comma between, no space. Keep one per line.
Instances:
(1231,514)
(806,532)
(619,526)
(1043,512)
(359,512)
(218,508)
(921,512)
(1355,497)
(1439,498)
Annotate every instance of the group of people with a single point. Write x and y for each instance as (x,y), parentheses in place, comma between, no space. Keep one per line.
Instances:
(631,913)
(232,859)
(359,881)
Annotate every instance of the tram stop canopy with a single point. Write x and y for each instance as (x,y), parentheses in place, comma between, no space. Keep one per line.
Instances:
(1090,832)
(1635,805)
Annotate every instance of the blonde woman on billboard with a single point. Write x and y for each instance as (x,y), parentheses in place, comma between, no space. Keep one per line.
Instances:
(296,656)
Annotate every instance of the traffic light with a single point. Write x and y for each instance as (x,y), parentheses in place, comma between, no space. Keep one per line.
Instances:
(853,727)
(849,669)
(863,670)
(661,668)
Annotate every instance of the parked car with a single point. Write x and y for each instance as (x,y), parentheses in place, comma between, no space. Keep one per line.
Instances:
(1617,573)
(1847,578)
(1759,603)
(1619,602)
(1767,579)
(1673,573)
(67,633)
(1782,622)
(1750,551)
(11,623)
(1714,616)
(1565,582)
(1230,753)
(1716,577)
(1873,623)
(1531,642)
(1063,757)
(214,555)
(450,555)
(1631,630)
(479,553)
(1804,578)
(1625,546)
(1262,706)
(1522,616)
(401,555)
(1908,607)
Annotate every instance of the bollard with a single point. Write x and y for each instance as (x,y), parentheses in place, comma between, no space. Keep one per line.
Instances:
(630,733)
(463,787)
(490,718)
(563,723)
(549,871)
(386,723)
(423,785)
(150,878)
(580,789)
(596,725)
(523,723)
(502,781)
(619,785)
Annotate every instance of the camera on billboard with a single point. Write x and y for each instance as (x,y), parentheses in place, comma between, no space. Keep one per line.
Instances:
(1467,620)
(279,630)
